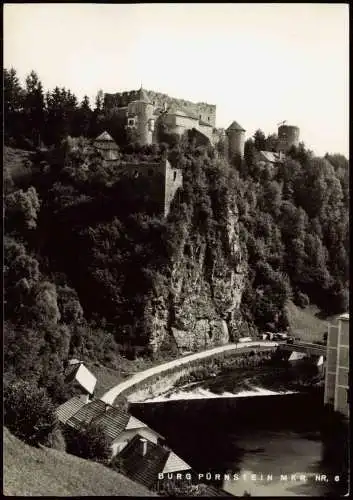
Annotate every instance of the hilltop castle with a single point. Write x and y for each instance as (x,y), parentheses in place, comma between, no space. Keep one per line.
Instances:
(144,110)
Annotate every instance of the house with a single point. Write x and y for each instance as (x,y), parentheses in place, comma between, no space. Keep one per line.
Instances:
(142,460)
(269,157)
(120,427)
(105,145)
(337,365)
(117,424)
(80,377)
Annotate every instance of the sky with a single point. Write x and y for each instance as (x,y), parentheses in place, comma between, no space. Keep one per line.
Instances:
(260,64)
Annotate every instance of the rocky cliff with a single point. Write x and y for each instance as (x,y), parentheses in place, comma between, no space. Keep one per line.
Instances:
(205,288)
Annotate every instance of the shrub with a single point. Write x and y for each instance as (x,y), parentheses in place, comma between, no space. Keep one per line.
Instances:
(301,299)
(90,442)
(56,440)
(29,413)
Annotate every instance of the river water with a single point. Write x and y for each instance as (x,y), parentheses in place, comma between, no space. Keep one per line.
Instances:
(258,440)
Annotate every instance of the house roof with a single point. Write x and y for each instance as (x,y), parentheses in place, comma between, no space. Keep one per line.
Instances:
(344,316)
(270,156)
(68,409)
(235,126)
(139,468)
(144,469)
(175,464)
(115,420)
(87,414)
(104,136)
(82,375)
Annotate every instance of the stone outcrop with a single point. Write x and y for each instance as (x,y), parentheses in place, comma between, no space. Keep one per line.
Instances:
(206,286)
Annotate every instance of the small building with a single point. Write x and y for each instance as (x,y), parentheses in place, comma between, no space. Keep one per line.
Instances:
(142,460)
(80,377)
(269,157)
(105,145)
(117,424)
(337,366)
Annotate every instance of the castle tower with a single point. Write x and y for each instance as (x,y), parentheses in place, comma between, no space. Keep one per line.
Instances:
(236,139)
(288,136)
(140,117)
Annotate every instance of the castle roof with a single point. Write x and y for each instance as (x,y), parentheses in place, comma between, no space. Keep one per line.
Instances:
(142,96)
(235,126)
(184,113)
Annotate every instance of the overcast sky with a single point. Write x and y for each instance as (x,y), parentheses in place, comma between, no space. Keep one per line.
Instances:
(259,63)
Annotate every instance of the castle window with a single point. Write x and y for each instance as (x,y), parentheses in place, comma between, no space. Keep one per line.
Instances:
(131,122)
(136,174)
(200,117)
(208,118)
(174,176)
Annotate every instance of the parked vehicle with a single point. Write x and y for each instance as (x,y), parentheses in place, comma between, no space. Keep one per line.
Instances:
(244,339)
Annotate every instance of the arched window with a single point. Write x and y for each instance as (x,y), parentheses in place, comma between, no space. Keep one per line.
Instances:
(174,176)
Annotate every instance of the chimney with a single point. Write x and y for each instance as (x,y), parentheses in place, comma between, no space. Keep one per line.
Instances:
(84,397)
(143,444)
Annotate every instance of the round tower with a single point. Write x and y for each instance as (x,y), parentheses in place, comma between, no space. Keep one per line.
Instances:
(236,139)
(143,109)
(288,136)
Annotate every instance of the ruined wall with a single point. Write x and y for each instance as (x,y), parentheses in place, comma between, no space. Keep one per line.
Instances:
(165,180)
(173,178)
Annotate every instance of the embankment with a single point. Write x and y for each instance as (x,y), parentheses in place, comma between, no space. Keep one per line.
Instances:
(158,380)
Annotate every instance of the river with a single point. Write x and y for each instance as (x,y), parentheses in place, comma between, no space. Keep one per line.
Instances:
(243,430)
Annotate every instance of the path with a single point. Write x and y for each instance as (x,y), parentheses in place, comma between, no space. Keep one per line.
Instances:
(110,396)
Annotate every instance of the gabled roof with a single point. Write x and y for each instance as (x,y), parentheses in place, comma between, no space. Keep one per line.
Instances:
(344,316)
(116,420)
(235,126)
(270,156)
(175,464)
(145,468)
(68,409)
(87,414)
(135,423)
(104,136)
(139,468)
(82,375)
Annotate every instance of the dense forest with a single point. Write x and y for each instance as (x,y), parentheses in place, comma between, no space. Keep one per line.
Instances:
(85,250)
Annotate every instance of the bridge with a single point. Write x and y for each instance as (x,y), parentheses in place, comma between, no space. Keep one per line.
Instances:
(304,347)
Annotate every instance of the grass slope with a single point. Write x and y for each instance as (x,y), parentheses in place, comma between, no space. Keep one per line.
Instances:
(306,323)
(46,472)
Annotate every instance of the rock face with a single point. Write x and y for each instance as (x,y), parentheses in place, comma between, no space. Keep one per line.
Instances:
(206,286)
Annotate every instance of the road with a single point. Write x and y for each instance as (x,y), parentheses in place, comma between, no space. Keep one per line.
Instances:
(110,396)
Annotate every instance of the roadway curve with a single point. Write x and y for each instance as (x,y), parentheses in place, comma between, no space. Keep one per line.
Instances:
(110,396)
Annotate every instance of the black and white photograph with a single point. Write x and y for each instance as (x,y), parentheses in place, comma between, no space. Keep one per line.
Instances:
(176,250)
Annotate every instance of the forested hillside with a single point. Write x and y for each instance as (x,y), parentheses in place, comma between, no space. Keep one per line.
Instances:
(89,265)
